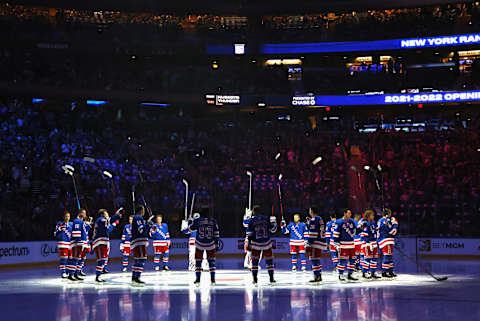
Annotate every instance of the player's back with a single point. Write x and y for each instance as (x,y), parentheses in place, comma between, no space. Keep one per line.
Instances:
(260,229)
(207,229)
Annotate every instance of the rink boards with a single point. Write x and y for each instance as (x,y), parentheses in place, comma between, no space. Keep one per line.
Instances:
(12,253)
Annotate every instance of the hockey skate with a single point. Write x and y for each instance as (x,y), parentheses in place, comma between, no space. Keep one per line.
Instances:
(105,271)
(350,277)
(316,279)
(366,276)
(81,273)
(294,269)
(374,276)
(72,278)
(197,281)
(304,268)
(341,278)
(64,276)
(272,280)
(77,277)
(255,279)
(136,281)
(124,269)
(166,268)
(386,275)
(157,268)
(212,280)
(392,275)
(99,280)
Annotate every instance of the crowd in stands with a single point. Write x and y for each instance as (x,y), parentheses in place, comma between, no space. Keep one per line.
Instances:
(430,178)
(329,26)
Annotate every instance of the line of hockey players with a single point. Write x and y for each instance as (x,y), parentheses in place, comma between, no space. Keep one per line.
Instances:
(352,244)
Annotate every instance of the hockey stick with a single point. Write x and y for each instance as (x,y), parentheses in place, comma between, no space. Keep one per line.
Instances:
(443,278)
(69,169)
(185,182)
(250,176)
(110,176)
(280,198)
(191,206)
(133,198)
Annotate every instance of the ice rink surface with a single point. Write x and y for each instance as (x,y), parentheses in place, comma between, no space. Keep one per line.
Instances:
(39,294)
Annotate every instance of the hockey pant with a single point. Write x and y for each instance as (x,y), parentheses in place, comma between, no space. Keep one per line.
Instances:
(346,260)
(199,256)
(300,249)
(139,259)
(256,256)
(191,259)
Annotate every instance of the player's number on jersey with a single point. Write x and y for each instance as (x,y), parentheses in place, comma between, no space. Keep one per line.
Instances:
(205,232)
(261,232)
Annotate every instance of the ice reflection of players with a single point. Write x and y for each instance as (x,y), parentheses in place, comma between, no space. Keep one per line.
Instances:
(342,305)
(64,308)
(100,308)
(299,304)
(125,307)
(160,306)
(201,304)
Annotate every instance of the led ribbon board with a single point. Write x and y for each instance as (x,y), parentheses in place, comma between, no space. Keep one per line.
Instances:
(387,99)
(350,46)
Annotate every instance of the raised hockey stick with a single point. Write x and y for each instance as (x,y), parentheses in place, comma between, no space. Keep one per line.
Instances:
(69,169)
(191,206)
(421,267)
(108,175)
(250,176)
(280,197)
(185,182)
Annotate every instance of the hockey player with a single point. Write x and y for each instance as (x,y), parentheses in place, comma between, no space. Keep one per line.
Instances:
(86,244)
(330,227)
(343,240)
(63,234)
(191,244)
(101,238)
(358,243)
(206,240)
(139,244)
(316,243)
(125,243)
(298,234)
(79,237)
(161,243)
(387,230)
(260,229)
(369,249)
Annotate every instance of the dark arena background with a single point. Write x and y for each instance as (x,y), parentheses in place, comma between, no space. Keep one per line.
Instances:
(362,117)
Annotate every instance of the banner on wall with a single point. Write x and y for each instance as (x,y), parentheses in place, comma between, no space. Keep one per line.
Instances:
(435,246)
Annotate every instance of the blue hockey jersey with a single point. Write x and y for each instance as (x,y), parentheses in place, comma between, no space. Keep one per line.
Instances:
(102,229)
(298,232)
(63,234)
(139,231)
(344,233)
(126,235)
(160,235)
(329,230)
(208,233)
(79,231)
(387,230)
(316,233)
(260,230)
